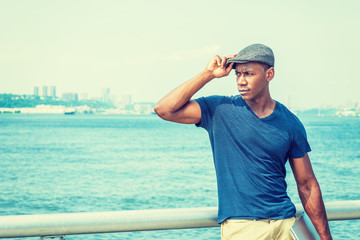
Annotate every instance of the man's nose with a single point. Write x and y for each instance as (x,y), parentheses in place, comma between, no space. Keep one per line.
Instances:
(241,80)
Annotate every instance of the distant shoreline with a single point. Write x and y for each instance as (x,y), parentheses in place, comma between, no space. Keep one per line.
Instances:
(148,110)
(48,109)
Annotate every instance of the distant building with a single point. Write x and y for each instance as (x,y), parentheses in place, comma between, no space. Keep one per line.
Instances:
(106,95)
(144,108)
(70,96)
(44,91)
(53,91)
(36,91)
(125,100)
(83,96)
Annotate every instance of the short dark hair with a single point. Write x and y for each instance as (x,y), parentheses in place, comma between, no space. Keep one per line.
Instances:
(265,66)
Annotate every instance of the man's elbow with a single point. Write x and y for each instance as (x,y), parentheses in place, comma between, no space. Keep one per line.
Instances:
(308,185)
(158,110)
(162,112)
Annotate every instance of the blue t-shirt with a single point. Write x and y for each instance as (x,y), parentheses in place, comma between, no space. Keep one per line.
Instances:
(250,155)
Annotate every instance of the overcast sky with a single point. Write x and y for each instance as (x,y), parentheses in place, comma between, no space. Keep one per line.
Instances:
(146,48)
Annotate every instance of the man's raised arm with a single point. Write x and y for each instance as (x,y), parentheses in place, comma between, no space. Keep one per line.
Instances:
(177,106)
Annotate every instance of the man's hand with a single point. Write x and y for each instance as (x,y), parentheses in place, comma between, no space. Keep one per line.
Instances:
(217,66)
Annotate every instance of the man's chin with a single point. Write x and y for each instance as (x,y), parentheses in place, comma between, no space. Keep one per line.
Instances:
(245,96)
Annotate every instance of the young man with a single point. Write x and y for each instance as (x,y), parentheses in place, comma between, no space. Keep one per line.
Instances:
(252,136)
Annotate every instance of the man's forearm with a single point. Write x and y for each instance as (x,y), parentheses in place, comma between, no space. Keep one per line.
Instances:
(181,95)
(312,201)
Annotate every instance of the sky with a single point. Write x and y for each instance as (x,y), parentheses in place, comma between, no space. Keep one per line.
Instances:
(147,48)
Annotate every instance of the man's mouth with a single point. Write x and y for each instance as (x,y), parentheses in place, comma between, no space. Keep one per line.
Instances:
(243,90)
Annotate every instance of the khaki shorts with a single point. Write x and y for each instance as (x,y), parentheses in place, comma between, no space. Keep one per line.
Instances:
(264,229)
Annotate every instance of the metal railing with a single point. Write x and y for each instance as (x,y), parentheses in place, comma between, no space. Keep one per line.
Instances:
(135,220)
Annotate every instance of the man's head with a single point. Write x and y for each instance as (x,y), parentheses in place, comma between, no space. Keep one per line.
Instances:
(254,53)
(253,79)
(254,69)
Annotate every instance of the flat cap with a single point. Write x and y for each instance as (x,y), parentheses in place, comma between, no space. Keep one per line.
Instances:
(254,53)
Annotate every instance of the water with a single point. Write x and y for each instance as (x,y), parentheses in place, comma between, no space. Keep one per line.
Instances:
(89,163)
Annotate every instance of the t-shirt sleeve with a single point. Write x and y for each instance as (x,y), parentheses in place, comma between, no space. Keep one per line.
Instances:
(300,145)
(208,106)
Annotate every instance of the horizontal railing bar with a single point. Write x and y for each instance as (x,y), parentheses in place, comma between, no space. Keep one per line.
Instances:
(135,220)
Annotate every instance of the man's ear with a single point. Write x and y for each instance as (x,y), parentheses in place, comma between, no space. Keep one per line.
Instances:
(269,74)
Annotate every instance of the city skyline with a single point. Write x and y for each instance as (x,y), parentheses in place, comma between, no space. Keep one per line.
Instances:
(145,50)
(106,96)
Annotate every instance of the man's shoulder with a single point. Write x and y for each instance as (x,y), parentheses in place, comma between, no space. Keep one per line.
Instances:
(289,118)
(286,112)
(219,104)
(219,99)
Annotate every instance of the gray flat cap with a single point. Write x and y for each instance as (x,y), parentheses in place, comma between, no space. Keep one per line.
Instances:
(254,53)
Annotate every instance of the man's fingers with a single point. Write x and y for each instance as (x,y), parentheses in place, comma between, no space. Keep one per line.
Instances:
(218,60)
(229,68)
(231,56)
(223,61)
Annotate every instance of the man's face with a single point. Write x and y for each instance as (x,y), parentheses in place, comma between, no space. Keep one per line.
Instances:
(252,80)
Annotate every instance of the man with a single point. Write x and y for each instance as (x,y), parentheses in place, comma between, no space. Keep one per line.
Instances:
(252,136)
